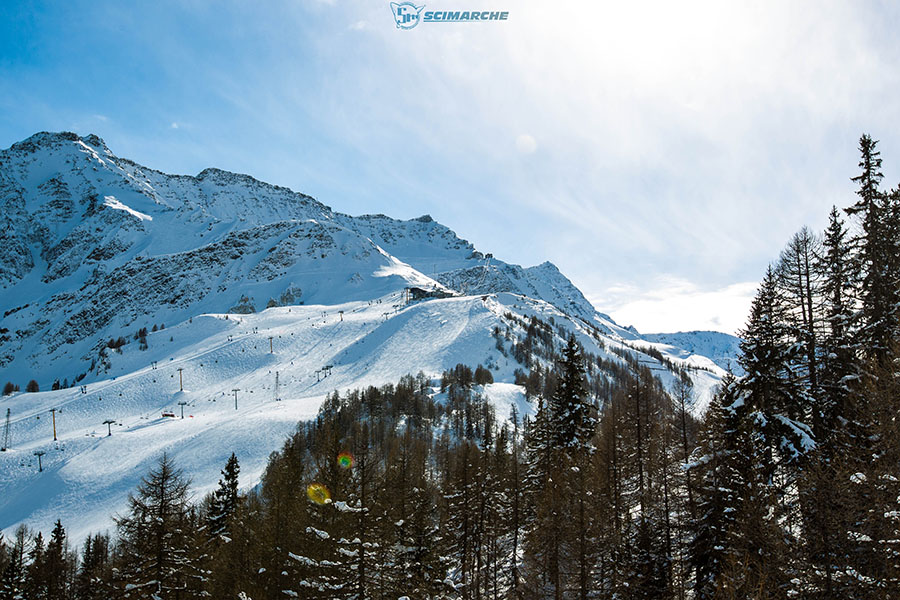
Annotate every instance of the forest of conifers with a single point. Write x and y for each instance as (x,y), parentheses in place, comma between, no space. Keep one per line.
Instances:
(788,486)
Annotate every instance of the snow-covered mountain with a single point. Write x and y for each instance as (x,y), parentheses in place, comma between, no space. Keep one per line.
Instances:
(96,247)
(722,348)
(254,284)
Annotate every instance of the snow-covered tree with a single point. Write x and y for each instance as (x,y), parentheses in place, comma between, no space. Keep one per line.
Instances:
(573,418)
(155,537)
(877,255)
(225,501)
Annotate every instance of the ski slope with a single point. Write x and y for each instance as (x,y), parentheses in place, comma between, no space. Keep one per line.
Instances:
(88,474)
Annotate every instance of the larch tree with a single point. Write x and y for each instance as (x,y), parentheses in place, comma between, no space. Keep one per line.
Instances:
(156,545)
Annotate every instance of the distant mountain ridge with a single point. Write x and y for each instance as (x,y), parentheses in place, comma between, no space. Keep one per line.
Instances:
(722,348)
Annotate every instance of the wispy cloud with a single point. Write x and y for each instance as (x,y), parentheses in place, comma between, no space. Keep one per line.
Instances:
(526,144)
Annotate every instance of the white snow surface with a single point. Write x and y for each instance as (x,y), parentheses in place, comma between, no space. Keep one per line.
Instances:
(720,348)
(87,474)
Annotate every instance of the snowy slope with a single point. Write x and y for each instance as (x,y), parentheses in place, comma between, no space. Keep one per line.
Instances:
(96,247)
(723,349)
(87,474)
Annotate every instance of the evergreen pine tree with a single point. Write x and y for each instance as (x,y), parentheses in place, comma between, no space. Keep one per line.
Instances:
(58,565)
(225,500)
(772,391)
(94,573)
(542,541)
(838,430)
(35,584)
(572,414)
(226,543)
(155,542)
(319,565)
(873,537)
(12,578)
(412,535)
(838,355)
(876,256)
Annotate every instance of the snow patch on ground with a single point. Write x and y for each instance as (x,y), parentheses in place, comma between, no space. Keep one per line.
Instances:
(503,396)
(112,202)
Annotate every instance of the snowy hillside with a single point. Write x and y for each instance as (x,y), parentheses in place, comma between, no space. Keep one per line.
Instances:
(722,348)
(126,280)
(88,474)
(96,247)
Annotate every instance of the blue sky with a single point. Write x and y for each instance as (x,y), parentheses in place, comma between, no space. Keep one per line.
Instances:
(660,154)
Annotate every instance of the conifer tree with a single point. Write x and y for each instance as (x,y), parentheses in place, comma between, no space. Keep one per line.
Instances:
(515,500)
(58,565)
(573,419)
(874,491)
(876,256)
(716,498)
(12,579)
(738,542)
(94,572)
(225,500)
(545,475)
(227,546)
(155,542)
(771,387)
(837,428)
(35,584)
(362,544)
(838,355)
(800,284)
(413,538)
(611,488)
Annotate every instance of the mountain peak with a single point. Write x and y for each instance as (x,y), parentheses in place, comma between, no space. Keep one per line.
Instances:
(52,139)
(222,178)
(546,266)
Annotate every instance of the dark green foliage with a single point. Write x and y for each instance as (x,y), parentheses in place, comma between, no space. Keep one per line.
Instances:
(225,500)
(572,414)
(94,576)
(15,566)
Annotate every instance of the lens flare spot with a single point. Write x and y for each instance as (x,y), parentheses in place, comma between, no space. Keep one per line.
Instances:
(318,493)
(345,460)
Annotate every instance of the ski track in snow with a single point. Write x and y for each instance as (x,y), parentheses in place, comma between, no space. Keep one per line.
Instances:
(88,475)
